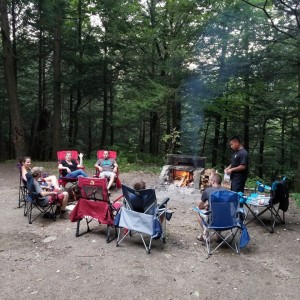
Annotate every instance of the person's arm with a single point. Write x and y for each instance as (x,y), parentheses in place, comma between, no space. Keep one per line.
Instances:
(239,168)
(115,169)
(97,166)
(39,189)
(226,169)
(24,171)
(203,204)
(62,167)
(47,193)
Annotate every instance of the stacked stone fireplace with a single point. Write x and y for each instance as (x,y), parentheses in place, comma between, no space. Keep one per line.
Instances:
(183,170)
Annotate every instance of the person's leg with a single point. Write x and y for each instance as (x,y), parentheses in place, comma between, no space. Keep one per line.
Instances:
(52,181)
(111,180)
(81,173)
(75,174)
(238,185)
(64,198)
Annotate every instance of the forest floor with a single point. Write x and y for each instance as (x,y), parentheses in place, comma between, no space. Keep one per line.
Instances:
(45,260)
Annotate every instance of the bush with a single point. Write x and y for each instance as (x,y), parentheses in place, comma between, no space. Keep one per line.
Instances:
(296,196)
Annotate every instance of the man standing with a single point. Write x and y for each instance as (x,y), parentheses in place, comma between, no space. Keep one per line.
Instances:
(238,168)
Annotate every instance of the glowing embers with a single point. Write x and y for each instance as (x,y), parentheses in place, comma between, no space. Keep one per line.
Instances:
(182,176)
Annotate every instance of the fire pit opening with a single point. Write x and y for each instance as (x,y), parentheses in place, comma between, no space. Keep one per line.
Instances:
(183,170)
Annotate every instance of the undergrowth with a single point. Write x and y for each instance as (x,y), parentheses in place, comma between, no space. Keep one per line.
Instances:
(296,197)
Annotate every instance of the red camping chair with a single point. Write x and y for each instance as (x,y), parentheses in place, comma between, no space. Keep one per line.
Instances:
(111,154)
(94,204)
(61,155)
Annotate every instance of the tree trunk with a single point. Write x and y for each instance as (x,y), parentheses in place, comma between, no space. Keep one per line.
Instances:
(205,137)
(247,112)
(224,143)
(105,94)
(214,157)
(39,145)
(57,121)
(18,137)
(297,183)
(154,125)
(111,110)
(261,150)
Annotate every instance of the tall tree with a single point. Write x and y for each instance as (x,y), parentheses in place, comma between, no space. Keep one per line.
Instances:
(284,17)
(18,136)
(57,120)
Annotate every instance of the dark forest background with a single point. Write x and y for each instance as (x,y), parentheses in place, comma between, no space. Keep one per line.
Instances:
(152,77)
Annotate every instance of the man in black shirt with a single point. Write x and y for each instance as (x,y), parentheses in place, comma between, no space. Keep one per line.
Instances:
(238,168)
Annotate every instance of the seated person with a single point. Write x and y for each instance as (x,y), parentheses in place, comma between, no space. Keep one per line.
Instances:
(26,167)
(69,167)
(139,185)
(50,196)
(215,181)
(108,168)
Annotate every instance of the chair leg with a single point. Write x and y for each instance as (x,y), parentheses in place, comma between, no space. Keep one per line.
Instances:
(77,228)
(108,239)
(29,213)
(77,234)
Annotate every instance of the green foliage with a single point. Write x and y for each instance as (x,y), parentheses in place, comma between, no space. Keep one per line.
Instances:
(296,197)
(172,140)
(131,70)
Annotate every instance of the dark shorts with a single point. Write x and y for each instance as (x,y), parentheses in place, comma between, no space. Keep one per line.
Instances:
(238,185)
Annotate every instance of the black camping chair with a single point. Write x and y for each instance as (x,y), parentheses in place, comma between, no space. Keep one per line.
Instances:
(259,204)
(34,200)
(22,188)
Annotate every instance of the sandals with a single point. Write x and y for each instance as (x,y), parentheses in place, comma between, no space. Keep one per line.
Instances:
(201,238)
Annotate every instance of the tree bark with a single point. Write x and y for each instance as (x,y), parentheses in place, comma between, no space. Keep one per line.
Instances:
(297,183)
(18,137)
(57,121)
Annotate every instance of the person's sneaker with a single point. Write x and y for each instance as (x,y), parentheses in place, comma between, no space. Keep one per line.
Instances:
(64,215)
(57,210)
(169,214)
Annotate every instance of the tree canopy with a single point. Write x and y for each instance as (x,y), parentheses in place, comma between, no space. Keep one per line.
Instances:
(152,76)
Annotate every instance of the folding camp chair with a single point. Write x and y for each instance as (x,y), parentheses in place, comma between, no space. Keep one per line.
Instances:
(34,200)
(64,181)
(111,154)
(22,187)
(269,199)
(222,216)
(94,204)
(141,214)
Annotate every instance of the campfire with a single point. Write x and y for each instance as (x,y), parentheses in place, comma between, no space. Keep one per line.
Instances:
(183,170)
(182,175)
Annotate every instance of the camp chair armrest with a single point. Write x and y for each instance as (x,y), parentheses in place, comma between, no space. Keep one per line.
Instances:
(165,201)
(201,211)
(117,199)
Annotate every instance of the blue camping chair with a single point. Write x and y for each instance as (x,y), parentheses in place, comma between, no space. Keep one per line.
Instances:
(140,214)
(224,215)
(270,199)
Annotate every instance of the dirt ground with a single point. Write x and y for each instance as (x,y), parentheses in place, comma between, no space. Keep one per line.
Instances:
(45,260)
